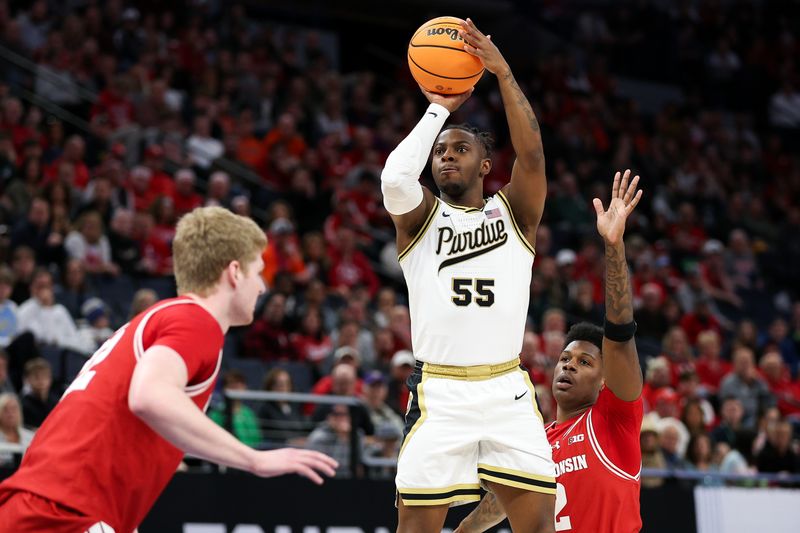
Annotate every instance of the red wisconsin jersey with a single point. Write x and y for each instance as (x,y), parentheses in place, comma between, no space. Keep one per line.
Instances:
(92,454)
(598,462)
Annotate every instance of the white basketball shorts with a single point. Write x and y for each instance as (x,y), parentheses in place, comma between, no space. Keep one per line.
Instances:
(465,425)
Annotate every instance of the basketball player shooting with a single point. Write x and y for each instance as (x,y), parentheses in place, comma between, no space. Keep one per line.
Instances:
(467,261)
(115,439)
(597,385)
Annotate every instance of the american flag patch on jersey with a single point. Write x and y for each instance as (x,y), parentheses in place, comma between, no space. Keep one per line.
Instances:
(493,213)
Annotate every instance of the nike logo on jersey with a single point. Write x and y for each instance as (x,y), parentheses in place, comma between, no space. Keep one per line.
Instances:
(521,395)
(445,214)
(432,113)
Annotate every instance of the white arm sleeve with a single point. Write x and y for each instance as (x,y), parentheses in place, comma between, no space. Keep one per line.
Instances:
(402,192)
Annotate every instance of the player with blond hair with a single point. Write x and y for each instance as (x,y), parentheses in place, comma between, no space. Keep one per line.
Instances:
(108,449)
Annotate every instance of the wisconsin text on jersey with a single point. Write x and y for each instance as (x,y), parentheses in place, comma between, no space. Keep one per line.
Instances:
(571,464)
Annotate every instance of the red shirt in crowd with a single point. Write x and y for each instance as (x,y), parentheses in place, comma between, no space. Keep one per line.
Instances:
(157,250)
(184,204)
(711,372)
(310,347)
(694,325)
(351,271)
(268,341)
(82,176)
(117,108)
(324,387)
(162,184)
(787,393)
(366,204)
(19,134)
(142,200)
(649,393)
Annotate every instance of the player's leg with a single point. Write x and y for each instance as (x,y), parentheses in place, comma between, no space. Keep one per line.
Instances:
(437,463)
(527,511)
(419,519)
(514,457)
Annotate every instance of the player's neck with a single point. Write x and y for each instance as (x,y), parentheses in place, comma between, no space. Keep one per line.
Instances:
(468,199)
(215,306)
(562,415)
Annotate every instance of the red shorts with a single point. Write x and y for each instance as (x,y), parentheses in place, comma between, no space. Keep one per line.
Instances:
(25,512)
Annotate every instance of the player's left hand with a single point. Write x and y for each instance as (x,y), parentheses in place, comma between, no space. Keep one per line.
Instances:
(451,102)
(307,463)
(624,197)
(482,47)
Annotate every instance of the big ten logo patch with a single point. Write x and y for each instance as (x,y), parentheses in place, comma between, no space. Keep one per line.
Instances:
(575,438)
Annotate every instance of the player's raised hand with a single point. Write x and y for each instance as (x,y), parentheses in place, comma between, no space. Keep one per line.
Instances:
(451,102)
(624,197)
(482,47)
(307,463)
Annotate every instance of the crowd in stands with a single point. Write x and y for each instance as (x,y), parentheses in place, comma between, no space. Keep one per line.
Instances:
(128,119)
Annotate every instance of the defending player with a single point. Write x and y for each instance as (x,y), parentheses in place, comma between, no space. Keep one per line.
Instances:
(109,448)
(597,385)
(467,261)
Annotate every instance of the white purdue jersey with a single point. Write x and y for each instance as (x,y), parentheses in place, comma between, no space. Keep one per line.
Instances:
(468,273)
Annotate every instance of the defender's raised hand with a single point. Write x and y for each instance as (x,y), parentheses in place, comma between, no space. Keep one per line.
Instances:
(624,198)
(482,47)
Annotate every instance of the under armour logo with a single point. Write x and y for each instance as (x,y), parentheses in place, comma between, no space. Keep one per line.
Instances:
(557,445)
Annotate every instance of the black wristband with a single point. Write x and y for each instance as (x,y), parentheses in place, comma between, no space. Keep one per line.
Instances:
(619,332)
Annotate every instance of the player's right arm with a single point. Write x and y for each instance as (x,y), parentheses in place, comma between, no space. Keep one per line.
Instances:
(156,395)
(622,373)
(408,202)
(488,513)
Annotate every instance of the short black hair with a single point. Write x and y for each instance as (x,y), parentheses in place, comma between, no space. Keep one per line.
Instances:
(585,331)
(484,137)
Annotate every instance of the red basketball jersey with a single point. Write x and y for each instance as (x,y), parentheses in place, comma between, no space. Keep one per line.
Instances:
(598,462)
(92,454)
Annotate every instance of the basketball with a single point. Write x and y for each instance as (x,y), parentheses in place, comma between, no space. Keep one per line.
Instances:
(437,58)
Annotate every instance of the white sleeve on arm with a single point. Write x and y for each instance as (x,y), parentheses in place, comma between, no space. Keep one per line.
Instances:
(400,177)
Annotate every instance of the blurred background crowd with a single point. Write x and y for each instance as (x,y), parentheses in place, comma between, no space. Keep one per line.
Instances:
(117,118)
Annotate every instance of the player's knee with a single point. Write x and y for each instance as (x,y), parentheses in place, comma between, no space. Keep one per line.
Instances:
(422,519)
(547,525)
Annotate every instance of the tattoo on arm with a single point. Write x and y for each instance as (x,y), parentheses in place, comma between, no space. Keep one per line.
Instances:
(487,514)
(522,101)
(619,305)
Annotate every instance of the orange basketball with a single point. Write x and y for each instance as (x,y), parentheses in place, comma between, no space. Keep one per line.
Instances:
(437,58)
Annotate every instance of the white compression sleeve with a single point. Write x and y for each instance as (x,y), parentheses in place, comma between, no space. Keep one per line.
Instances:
(400,177)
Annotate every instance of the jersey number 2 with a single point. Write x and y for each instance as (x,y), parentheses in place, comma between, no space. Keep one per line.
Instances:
(563,523)
(87,372)
(462,287)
